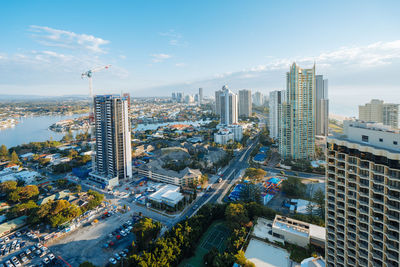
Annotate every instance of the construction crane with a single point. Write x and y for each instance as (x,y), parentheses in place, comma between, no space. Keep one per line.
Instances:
(89,74)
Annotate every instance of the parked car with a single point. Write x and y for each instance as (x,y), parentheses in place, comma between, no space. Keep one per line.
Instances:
(112,261)
(18,234)
(117,257)
(51,256)
(46,260)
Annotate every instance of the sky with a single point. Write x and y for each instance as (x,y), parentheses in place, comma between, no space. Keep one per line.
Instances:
(158,47)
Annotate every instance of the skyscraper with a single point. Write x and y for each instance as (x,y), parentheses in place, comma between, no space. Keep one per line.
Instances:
(297,124)
(173,97)
(200,96)
(228,106)
(245,104)
(218,102)
(258,99)
(363,196)
(179,97)
(378,111)
(113,159)
(275,100)
(321,105)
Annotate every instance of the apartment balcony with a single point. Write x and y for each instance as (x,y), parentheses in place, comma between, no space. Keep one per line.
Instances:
(392,256)
(394,188)
(363,228)
(363,254)
(363,236)
(363,211)
(393,198)
(392,237)
(379,182)
(363,194)
(364,184)
(377,228)
(331,185)
(392,227)
(351,204)
(378,201)
(340,260)
(378,190)
(391,217)
(377,247)
(340,237)
(378,210)
(351,237)
(351,261)
(351,253)
(362,245)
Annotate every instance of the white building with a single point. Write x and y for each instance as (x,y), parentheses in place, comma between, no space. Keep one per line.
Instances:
(321,105)
(298,232)
(245,103)
(237,131)
(275,100)
(223,136)
(228,106)
(167,194)
(258,99)
(113,159)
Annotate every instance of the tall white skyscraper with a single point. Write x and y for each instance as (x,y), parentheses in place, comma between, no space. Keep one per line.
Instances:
(321,105)
(218,102)
(245,104)
(113,159)
(258,99)
(297,124)
(228,102)
(363,196)
(275,100)
(200,96)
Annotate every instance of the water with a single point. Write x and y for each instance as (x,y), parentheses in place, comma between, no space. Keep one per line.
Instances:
(154,126)
(33,129)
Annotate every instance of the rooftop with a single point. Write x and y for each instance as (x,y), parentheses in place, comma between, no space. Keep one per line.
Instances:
(266,255)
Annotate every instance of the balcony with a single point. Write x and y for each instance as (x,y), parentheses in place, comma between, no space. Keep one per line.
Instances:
(391,237)
(364,194)
(392,256)
(390,246)
(392,187)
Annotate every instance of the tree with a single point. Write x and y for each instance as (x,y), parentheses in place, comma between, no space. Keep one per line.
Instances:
(251,193)
(309,208)
(293,187)
(319,198)
(255,174)
(236,215)
(8,186)
(3,152)
(240,259)
(14,157)
(146,230)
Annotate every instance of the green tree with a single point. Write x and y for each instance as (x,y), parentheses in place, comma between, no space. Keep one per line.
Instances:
(255,174)
(14,157)
(3,152)
(319,198)
(293,187)
(8,186)
(236,215)
(146,230)
(240,259)
(251,193)
(87,264)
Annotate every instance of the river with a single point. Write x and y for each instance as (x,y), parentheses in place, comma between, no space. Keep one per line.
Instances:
(35,129)
(32,129)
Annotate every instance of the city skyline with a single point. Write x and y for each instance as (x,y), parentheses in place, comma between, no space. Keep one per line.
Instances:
(154,57)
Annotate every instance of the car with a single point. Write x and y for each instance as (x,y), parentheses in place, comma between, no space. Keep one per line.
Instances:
(24,259)
(51,256)
(11,236)
(18,246)
(22,244)
(38,245)
(33,248)
(27,251)
(46,260)
(18,234)
(14,259)
(6,239)
(112,261)
(110,235)
(38,252)
(44,248)
(126,251)
(3,247)
(122,232)
(117,257)
(122,254)
(14,242)
(9,264)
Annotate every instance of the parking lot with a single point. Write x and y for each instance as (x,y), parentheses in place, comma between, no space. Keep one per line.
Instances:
(23,248)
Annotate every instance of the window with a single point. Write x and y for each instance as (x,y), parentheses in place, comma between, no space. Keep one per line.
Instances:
(364,138)
(394,142)
(380,140)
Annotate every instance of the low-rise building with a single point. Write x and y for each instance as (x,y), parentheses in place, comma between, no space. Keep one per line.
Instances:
(223,136)
(154,171)
(298,232)
(167,194)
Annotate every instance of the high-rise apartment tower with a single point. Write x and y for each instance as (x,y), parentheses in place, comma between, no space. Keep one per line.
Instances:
(113,159)
(245,104)
(363,196)
(275,100)
(321,105)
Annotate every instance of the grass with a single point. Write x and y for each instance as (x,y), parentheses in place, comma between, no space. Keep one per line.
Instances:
(215,236)
(335,128)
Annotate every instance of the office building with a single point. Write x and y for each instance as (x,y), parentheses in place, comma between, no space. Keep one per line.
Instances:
(297,121)
(200,96)
(189,99)
(321,106)
(245,104)
(173,97)
(378,111)
(275,100)
(258,99)
(179,97)
(218,102)
(228,106)
(363,196)
(113,158)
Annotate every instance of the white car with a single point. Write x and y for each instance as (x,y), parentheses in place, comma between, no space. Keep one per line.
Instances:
(18,234)
(112,261)
(6,239)
(38,245)
(51,256)
(46,260)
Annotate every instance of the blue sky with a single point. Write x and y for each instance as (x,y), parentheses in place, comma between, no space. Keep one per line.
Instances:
(156,47)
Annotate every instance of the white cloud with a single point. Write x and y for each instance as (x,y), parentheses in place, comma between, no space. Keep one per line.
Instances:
(67,39)
(175,38)
(160,57)
(180,64)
